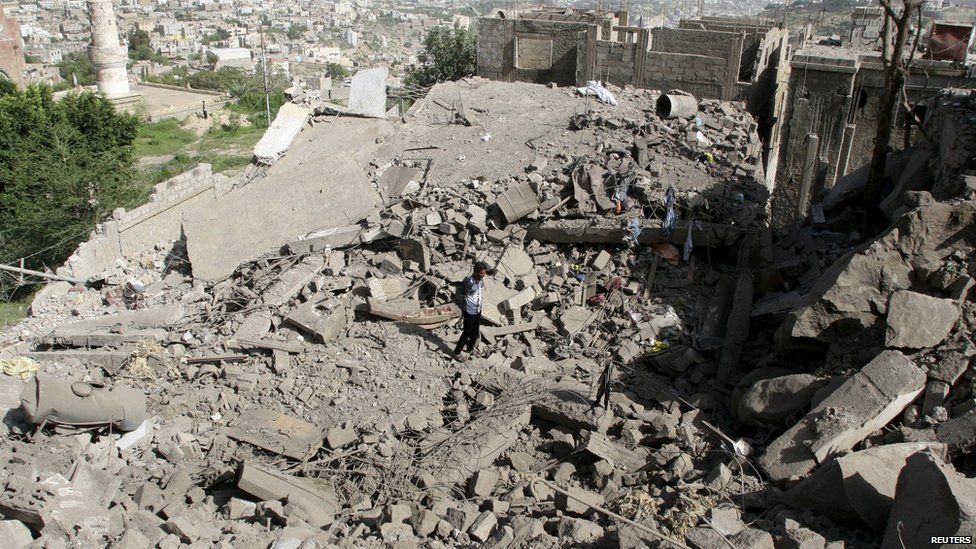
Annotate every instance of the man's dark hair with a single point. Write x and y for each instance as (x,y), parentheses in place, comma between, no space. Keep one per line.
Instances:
(481,266)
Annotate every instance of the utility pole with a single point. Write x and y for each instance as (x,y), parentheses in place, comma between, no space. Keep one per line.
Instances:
(264,69)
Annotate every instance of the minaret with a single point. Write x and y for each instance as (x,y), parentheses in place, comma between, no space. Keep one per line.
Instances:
(108,56)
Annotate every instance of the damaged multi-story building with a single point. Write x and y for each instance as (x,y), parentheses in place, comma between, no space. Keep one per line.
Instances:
(816,106)
(833,107)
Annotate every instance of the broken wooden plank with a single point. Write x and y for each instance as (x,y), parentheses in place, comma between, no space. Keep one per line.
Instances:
(277,432)
(411,312)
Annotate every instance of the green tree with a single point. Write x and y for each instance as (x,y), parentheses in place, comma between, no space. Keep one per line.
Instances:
(78,65)
(139,46)
(296,32)
(337,71)
(64,165)
(448,54)
(217,36)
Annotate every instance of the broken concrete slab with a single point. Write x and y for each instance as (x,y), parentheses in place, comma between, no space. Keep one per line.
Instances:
(917,321)
(14,534)
(292,281)
(500,432)
(110,361)
(323,320)
(336,237)
(318,501)
(578,501)
(251,221)
(517,202)
(612,231)
(367,94)
(931,500)
(288,123)
(867,401)
(399,180)
(569,404)
(859,486)
(603,447)
(276,432)
(493,295)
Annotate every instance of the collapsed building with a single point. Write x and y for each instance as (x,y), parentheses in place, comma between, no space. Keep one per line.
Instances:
(816,105)
(265,358)
(731,59)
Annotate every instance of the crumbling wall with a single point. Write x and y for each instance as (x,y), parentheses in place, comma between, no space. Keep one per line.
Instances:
(923,84)
(158,220)
(820,101)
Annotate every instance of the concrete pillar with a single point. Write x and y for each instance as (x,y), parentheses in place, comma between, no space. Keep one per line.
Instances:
(809,167)
(105,52)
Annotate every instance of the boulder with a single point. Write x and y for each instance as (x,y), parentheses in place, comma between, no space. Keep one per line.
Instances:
(853,293)
(771,401)
(860,486)
(931,499)
(864,403)
(917,321)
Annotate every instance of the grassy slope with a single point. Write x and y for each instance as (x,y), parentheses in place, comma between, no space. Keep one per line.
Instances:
(224,147)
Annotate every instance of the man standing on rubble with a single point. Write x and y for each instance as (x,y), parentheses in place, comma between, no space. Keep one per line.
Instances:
(469,299)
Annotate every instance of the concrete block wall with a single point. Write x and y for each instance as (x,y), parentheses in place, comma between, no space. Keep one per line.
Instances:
(551,46)
(703,76)
(616,63)
(534,53)
(158,221)
(496,48)
(565,41)
(697,42)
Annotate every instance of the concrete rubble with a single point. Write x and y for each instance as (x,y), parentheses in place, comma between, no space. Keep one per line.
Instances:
(658,366)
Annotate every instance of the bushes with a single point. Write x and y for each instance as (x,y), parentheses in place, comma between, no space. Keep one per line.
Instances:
(64,165)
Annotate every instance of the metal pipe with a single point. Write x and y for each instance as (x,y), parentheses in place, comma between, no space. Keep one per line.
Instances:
(677,106)
(41,274)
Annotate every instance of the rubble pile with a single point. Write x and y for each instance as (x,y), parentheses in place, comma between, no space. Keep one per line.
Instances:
(657,368)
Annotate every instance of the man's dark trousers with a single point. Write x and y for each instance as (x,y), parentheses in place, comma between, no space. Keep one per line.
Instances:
(470,332)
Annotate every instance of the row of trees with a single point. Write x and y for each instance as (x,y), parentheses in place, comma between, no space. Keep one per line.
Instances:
(64,165)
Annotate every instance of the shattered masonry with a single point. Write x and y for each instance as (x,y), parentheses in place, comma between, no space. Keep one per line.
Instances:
(268,361)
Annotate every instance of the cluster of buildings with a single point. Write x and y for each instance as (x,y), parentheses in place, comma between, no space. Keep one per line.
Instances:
(347,33)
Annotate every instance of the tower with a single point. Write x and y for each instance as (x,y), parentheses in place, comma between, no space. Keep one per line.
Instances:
(108,56)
